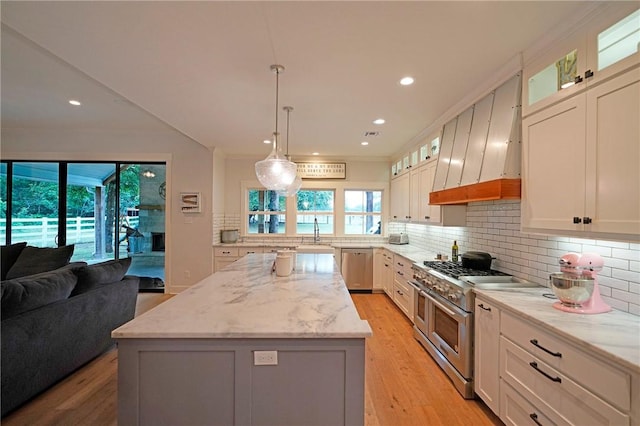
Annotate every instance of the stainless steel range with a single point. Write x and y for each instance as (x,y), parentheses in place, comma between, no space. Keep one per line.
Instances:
(443,315)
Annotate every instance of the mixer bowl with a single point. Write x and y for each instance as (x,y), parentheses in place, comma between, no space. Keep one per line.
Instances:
(571,290)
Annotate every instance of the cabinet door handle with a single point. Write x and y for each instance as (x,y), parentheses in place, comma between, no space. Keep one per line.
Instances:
(481,306)
(535,343)
(534,417)
(577,220)
(588,74)
(577,80)
(534,365)
(586,220)
(427,217)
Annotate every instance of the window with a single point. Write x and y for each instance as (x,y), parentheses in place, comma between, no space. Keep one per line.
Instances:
(315,205)
(267,212)
(619,41)
(363,212)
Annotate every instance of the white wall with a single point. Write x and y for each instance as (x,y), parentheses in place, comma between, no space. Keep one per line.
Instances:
(494,227)
(358,174)
(189,168)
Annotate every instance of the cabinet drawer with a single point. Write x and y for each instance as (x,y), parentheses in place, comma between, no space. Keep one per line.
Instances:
(517,411)
(249,250)
(552,391)
(600,378)
(402,296)
(225,251)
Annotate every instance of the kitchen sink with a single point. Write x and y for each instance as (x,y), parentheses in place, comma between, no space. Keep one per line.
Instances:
(314,248)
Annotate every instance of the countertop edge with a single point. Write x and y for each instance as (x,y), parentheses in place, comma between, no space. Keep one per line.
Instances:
(601,352)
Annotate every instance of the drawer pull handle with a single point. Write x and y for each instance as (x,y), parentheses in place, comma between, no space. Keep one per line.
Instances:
(400,293)
(534,365)
(481,306)
(534,417)
(535,343)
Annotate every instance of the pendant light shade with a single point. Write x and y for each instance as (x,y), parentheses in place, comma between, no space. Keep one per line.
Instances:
(276,173)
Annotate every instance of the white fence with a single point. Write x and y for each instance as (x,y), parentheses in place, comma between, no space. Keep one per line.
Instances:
(42,232)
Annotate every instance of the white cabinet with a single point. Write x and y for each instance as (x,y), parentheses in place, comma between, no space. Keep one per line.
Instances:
(378,269)
(400,198)
(410,199)
(560,381)
(224,256)
(599,49)
(387,273)
(487,353)
(402,290)
(580,165)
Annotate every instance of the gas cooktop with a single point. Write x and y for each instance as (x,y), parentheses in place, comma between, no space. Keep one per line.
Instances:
(455,269)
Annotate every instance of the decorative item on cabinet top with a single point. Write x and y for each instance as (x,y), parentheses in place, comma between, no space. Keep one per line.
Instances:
(480,150)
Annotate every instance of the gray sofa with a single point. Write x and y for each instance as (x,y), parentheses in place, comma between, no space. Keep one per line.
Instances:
(54,322)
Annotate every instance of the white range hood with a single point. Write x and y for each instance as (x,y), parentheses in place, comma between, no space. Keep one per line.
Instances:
(480,150)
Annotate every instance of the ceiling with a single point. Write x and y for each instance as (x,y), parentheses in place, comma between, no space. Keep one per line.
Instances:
(203,68)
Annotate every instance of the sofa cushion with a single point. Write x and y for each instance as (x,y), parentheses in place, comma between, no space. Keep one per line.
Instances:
(92,276)
(27,293)
(8,256)
(34,260)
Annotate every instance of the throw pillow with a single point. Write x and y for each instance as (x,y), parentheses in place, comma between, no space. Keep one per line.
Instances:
(8,256)
(92,276)
(34,260)
(24,294)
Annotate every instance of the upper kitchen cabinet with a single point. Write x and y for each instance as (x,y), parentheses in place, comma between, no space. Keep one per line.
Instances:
(601,48)
(580,163)
(480,150)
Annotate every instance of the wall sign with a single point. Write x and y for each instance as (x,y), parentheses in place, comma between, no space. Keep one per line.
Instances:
(322,170)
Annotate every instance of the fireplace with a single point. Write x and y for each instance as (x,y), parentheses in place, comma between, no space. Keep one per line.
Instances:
(157,241)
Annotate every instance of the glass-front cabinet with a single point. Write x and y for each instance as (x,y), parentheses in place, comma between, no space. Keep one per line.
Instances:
(604,47)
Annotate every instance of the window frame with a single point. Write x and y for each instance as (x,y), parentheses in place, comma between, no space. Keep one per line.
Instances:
(338,186)
(363,214)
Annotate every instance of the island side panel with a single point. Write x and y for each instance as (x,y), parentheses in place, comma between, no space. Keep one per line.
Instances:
(215,381)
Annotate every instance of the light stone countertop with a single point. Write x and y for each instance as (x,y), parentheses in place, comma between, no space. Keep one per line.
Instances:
(245,300)
(613,335)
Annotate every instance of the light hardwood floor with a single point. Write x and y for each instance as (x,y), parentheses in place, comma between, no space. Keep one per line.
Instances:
(404,386)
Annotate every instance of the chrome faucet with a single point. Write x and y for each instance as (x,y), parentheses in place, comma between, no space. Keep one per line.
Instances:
(316,231)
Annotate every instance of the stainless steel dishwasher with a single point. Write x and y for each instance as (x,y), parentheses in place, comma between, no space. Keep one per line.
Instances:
(357,268)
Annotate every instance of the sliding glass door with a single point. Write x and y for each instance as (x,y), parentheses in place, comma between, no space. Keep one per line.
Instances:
(107,209)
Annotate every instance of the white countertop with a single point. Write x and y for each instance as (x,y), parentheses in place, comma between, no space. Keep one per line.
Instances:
(246,301)
(613,335)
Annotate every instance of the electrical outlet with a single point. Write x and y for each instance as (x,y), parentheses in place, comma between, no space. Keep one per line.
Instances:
(265,357)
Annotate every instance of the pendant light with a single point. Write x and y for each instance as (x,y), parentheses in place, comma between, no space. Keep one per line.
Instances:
(292,189)
(275,172)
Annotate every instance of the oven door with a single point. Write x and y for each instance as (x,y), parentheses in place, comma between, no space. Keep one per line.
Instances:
(449,330)
(420,307)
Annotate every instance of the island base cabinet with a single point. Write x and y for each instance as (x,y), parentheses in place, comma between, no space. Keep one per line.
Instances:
(215,382)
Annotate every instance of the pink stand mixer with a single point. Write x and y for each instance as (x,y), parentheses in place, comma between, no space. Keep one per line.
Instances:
(577,285)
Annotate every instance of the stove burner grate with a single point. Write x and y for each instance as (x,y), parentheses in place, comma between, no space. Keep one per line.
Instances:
(455,270)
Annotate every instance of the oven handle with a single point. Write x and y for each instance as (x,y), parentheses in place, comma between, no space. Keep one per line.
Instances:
(456,313)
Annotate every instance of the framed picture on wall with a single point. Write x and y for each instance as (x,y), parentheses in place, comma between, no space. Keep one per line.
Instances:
(190,202)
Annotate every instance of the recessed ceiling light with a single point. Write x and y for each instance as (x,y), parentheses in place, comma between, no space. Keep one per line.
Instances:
(74,102)
(315,153)
(266,141)
(406,81)
(378,121)
(365,143)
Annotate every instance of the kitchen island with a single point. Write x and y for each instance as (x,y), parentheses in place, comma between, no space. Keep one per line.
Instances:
(245,347)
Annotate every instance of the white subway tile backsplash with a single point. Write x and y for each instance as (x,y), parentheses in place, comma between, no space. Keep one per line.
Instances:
(494,226)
